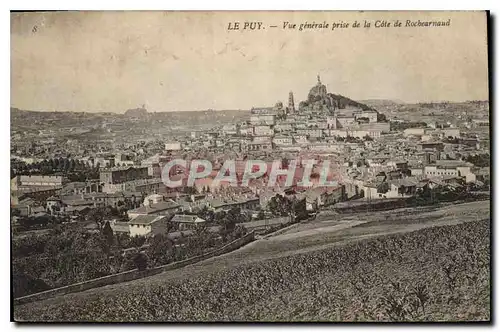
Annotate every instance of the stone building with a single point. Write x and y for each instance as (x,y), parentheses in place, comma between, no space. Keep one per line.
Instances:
(123,174)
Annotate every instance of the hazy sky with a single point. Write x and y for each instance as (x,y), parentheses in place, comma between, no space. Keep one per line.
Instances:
(112,61)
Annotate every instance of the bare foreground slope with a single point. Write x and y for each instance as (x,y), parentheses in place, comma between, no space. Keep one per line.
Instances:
(400,265)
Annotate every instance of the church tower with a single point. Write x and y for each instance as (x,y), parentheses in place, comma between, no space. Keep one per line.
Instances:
(291,104)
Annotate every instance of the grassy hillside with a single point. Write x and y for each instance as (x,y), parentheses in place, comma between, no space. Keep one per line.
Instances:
(439,273)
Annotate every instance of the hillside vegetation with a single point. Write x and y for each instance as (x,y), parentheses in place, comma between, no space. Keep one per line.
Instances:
(434,274)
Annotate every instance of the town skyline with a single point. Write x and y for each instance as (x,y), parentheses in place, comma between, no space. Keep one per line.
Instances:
(344,178)
(111,62)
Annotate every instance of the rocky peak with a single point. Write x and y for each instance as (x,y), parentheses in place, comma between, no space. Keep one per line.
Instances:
(318,91)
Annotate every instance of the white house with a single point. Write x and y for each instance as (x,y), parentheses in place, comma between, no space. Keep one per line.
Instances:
(164,208)
(263,131)
(145,225)
(346,121)
(370,115)
(331,122)
(283,140)
(414,132)
(450,168)
(300,139)
(281,127)
(451,132)
(267,119)
(187,221)
(153,199)
(173,146)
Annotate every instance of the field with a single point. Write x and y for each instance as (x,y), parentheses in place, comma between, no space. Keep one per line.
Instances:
(421,265)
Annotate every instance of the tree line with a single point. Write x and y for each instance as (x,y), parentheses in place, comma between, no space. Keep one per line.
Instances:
(67,255)
(76,170)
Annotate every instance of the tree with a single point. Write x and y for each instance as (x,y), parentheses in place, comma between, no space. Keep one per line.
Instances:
(219,217)
(207,214)
(65,165)
(280,206)
(141,261)
(285,163)
(41,221)
(238,232)
(137,241)
(107,232)
(200,240)
(15,212)
(100,215)
(96,216)
(92,259)
(299,210)
(24,284)
(58,163)
(71,166)
(190,190)
(231,218)
(160,250)
(480,160)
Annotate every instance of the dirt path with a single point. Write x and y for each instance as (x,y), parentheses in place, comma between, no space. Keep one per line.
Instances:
(341,229)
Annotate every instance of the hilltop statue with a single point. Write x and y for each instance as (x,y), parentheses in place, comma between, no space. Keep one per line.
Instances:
(317,92)
(319,100)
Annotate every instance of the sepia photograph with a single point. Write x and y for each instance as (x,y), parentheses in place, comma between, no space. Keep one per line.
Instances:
(250,166)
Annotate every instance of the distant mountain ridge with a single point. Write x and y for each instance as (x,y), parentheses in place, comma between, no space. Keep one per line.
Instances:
(131,111)
(136,112)
(345,101)
(382,102)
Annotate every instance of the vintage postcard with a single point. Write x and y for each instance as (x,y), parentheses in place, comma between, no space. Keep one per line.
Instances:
(286,166)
